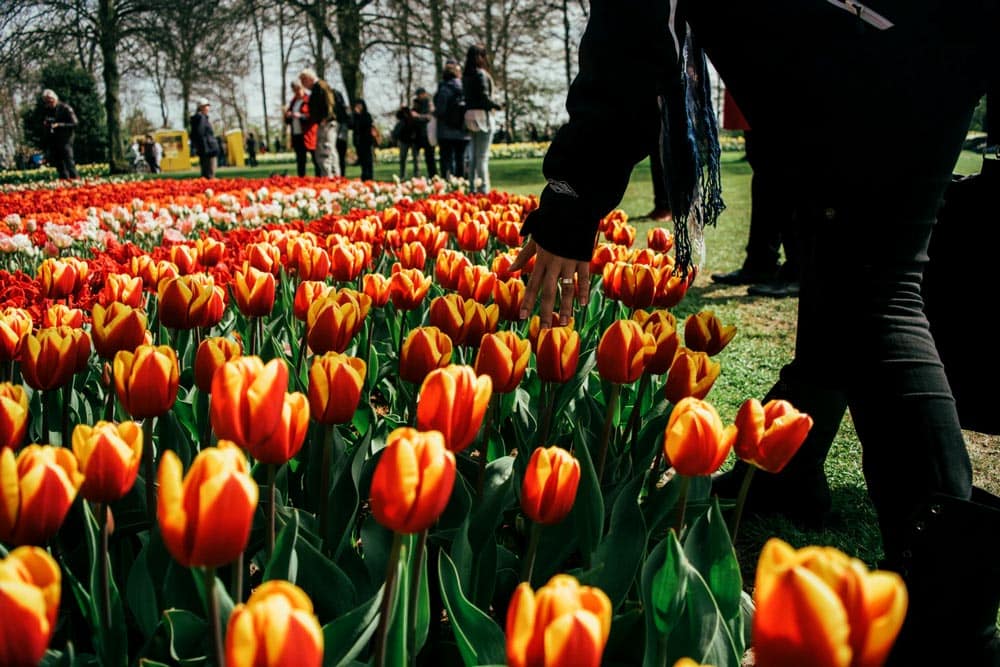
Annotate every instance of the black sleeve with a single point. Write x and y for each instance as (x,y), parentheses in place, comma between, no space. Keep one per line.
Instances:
(486,83)
(67,117)
(626,53)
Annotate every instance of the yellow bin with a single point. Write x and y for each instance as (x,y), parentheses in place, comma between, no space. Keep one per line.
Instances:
(235,155)
(176,154)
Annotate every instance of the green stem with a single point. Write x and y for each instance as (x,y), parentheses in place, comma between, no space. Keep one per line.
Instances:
(259,333)
(45,400)
(632,428)
(212,601)
(548,405)
(411,613)
(109,402)
(272,473)
(302,351)
(682,503)
(67,428)
(324,486)
(102,510)
(616,390)
(252,325)
(388,600)
(205,412)
(661,650)
(147,468)
(485,443)
(237,580)
(741,500)
(528,568)
(654,472)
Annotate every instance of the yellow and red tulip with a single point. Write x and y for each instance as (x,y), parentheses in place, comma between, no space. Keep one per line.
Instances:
(424,349)
(253,291)
(770,434)
(550,484)
(660,239)
(624,351)
(211,355)
(117,327)
(109,455)
(60,315)
(15,324)
(60,278)
(413,480)
(557,354)
(248,398)
(453,400)
(504,358)
(376,286)
(691,374)
(283,442)
(38,488)
(408,287)
(186,302)
(663,327)
(695,441)
(703,332)
(13,415)
(147,380)
(332,323)
(30,589)
(508,295)
(335,384)
(122,288)
(51,357)
(276,627)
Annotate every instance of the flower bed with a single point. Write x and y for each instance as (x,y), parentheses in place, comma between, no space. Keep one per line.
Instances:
(309,421)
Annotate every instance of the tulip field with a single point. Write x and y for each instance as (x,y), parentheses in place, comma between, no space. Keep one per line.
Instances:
(300,422)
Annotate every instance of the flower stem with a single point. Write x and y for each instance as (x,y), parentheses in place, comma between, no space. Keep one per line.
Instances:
(741,500)
(324,485)
(616,390)
(272,472)
(654,472)
(237,579)
(102,511)
(485,443)
(388,600)
(212,601)
(682,500)
(67,429)
(632,428)
(529,556)
(548,405)
(252,325)
(411,614)
(302,351)
(147,468)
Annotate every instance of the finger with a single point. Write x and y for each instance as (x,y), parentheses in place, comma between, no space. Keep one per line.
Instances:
(567,292)
(526,253)
(548,287)
(583,283)
(531,292)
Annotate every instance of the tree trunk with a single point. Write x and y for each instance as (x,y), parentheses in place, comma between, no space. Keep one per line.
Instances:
(437,32)
(349,54)
(319,29)
(567,44)
(258,34)
(107,18)
(488,7)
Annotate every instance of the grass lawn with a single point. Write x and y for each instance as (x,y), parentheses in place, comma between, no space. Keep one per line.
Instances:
(751,362)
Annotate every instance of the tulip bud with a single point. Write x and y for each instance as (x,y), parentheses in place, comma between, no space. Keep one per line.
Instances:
(38,489)
(503,357)
(695,442)
(276,627)
(476,282)
(472,236)
(563,623)
(121,288)
(376,286)
(253,291)
(413,480)
(147,380)
(691,374)
(659,239)
(663,327)
(632,284)
(59,315)
(332,324)
(447,313)
(671,288)
(285,440)
(109,456)
(347,260)
(306,294)
(448,266)
(412,255)
(210,251)
(453,401)
(61,277)
(844,614)
(407,288)
(550,484)
(624,351)
(205,520)
(335,383)
(313,264)
(248,399)
(185,258)
(50,358)
(703,332)
(117,327)
(769,435)
(424,349)
(557,354)
(508,296)
(264,257)
(15,324)
(211,355)
(13,415)
(30,589)
(190,301)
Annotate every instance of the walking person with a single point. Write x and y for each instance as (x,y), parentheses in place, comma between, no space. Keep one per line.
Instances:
(322,115)
(60,123)
(449,108)
(152,152)
(203,139)
(301,128)
(252,149)
(423,112)
(364,139)
(405,133)
(477,84)
(343,115)
(865,232)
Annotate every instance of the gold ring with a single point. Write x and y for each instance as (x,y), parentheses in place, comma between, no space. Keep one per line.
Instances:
(567,281)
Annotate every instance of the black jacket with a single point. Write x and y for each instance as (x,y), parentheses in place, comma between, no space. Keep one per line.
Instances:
(202,137)
(478,89)
(449,109)
(321,102)
(62,115)
(362,125)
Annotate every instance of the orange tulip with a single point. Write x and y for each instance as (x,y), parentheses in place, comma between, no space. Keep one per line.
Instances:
(479,321)
(660,239)
(306,294)
(624,351)
(448,266)
(550,483)
(38,489)
(509,232)
(248,399)
(144,268)
(562,623)
(253,291)
(280,444)
(210,251)
(476,282)
(276,627)
(453,401)
(663,327)
(503,357)
(604,254)
(265,257)
(121,288)
(447,313)
(313,263)
(472,236)
(185,258)
(688,662)
(15,324)
(535,327)
(844,614)
(347,260)
(59,315)
(424,349)
(632,284)
(769,435)
(691,374)
(703,332)
(117,327)
(147,380)
(408,287)
(501,267)
(508,296)
(30,589)
(412,255)
(557,354)
(109,456)
(13,415)
(60,277)
(206,519)
(335,384)
(621,234)
(376,286)
(190,301)
(671,289)
(333,323)
(695,442)
(412,481)
(51,357)
(211,355)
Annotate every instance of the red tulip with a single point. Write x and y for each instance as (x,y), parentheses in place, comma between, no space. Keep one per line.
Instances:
(453,400)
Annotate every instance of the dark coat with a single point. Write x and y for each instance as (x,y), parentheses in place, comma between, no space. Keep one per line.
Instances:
(362,124)
(449,93)
(62,115)
(478,89)
(202,137)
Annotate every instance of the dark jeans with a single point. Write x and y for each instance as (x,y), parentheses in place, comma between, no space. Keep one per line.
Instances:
(207,163)
(772,215)
(61,158)
(661,199)
(341,146)
(813,72)
(452,157)
(366,160)
(301,152)
(405,148)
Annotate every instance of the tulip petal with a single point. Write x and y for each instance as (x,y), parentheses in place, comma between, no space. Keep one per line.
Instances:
(574,639)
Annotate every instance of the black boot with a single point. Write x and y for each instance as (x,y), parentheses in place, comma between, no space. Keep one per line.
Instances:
(950,562)
(800,491)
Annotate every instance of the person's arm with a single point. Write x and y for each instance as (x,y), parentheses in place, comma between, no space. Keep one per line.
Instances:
(486,84)
(626,54)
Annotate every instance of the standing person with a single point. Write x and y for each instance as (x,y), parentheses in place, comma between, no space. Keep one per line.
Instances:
(343,116)
(477,84)
(203,139)
(322,115)
(251,149)
(865,232)
(60,123)
(405,134)
(449,108)
(423,112)
(152,151)
(302,129)
(364,140)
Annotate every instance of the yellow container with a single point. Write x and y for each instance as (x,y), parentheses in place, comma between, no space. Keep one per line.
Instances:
(235,155)
(176,151)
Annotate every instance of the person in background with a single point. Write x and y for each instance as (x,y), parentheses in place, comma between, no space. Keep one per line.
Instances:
(405,133)
(251,149)
(449,108)
(302,130)
(423,112)
(203,140)
(60,123)
(152,151)
(343,115)
(364,139)
(322,114)
(477,84)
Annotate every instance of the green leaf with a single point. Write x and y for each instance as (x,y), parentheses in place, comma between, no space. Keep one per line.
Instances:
(112,643)
(480,640)
(709,549)
(669,586)
(422,623)
(188,635)
(284,563)
(140,592)
(346,637)
(399,624)
(330,589)
(701,632)
(569,390)
(587,514)
(619,554)
(488,509)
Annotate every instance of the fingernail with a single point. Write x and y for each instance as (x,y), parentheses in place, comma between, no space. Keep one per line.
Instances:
(563,320)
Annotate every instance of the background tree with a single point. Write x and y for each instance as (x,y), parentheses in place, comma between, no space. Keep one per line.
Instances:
(77,88)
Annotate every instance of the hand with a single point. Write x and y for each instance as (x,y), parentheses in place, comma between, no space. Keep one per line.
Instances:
(552,274)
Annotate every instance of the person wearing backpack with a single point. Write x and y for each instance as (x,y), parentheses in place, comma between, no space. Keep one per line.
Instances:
(449,109)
